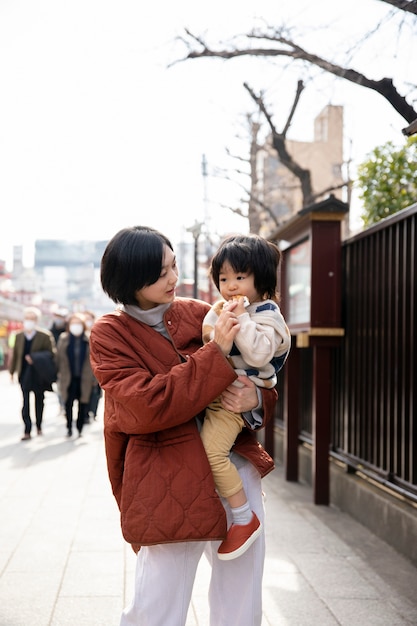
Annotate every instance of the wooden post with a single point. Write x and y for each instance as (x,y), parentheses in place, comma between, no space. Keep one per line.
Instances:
(321,423)
(291,414)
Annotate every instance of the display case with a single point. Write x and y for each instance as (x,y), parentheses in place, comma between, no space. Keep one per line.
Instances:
(311,303)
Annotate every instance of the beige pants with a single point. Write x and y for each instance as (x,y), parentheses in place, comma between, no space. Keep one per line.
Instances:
(219,432)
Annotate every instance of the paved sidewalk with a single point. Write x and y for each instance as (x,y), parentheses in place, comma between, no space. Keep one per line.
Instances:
(63,561)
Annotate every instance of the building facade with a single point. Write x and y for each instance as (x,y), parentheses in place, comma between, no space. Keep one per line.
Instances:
(280,190)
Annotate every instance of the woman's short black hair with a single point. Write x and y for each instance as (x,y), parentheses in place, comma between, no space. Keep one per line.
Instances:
(132,260)
(252,254)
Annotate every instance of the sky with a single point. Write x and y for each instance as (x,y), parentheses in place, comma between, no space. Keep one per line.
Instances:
(100,130)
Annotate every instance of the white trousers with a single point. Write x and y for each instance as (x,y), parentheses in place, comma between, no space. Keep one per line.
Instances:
(165,576)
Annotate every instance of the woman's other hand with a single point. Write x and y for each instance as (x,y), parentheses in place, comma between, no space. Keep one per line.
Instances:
(240,398)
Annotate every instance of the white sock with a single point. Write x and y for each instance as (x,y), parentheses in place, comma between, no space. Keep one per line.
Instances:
(242,515)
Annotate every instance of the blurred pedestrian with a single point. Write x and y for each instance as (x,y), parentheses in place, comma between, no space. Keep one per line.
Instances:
(96,392)
(33,361)
(75,376)
(58,326)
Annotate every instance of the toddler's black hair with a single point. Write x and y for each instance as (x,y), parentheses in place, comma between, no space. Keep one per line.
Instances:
(253,254)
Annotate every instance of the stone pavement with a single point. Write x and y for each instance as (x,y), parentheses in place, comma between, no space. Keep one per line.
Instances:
(63,561)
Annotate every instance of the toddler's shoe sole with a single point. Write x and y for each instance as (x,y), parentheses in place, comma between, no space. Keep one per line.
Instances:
(239,539)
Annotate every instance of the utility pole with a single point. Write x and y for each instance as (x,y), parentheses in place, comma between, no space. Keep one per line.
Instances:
(195,230)
(208,250)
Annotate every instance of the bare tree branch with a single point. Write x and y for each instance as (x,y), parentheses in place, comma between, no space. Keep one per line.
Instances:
(385,86)
(237,157)
(255,200)
(330,189)
(237,211)
(300,87)
(403,5)
(278,142)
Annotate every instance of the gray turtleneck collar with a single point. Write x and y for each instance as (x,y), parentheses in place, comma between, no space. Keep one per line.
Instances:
(152,317)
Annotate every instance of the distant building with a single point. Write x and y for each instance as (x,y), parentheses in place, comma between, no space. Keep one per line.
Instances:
(69,273)
(66,274)
(279,190)
(20,287)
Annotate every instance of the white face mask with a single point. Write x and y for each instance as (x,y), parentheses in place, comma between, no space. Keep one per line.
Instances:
(28,325)
(76,329)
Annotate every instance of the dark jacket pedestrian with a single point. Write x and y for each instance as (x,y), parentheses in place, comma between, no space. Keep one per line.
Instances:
(33,360)
(58,325)
(75,376)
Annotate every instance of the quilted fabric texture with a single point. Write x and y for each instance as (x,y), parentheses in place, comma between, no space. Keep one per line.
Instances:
(170,494)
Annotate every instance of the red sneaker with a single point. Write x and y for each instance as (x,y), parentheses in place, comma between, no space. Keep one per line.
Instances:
(239,538)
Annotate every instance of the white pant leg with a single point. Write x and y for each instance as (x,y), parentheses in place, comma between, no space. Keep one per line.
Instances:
(164,581)
(235,594)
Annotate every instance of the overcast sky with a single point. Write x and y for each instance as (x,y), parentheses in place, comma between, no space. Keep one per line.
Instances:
(97,133)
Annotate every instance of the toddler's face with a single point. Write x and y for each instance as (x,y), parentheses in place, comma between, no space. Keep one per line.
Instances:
(232,284)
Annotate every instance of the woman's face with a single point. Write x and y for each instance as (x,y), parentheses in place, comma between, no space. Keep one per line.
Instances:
(163,290)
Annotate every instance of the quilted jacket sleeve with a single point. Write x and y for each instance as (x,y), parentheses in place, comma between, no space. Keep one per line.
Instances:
(148,387)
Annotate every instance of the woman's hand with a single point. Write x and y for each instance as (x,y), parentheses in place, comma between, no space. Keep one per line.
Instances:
(237,304)
(242,398)
(225,330)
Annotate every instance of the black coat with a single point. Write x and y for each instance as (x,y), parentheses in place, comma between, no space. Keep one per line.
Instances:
(41,374)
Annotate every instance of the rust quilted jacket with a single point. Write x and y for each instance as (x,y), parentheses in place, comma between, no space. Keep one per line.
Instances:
(157,465)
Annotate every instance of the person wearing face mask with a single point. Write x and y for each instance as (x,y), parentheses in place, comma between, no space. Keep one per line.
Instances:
(34,348)
(57,327)
(96,392)
(75,376)
(58,323)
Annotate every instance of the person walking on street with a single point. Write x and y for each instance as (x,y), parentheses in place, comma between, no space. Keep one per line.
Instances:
(75,376)
(58,323)
(96,392)
(33,360)
(58,327)
(158,378)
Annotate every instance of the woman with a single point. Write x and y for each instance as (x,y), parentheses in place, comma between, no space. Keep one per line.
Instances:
(75,376)
(158,379)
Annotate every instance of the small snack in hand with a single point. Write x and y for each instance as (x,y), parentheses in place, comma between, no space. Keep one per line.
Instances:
(245,299)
